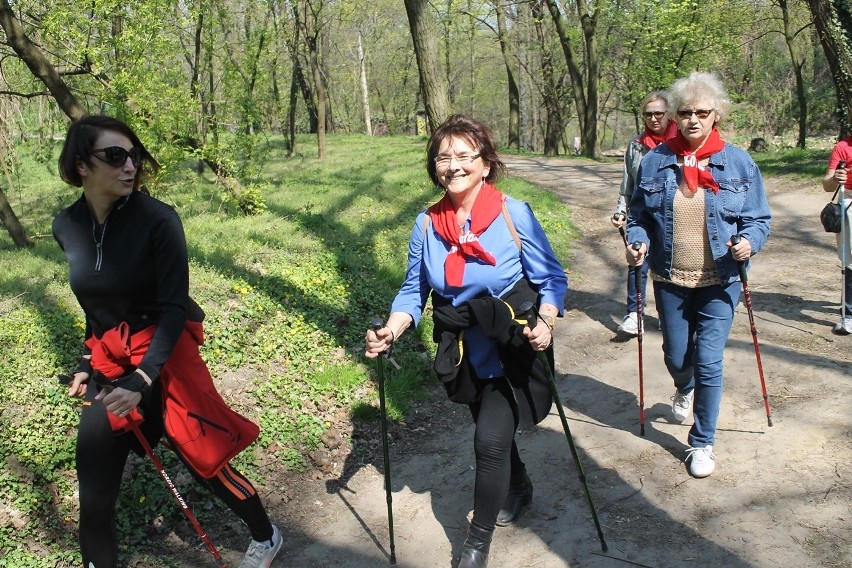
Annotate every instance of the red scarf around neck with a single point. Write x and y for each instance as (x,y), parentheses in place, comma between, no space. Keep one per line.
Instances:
(651,140)
(486,208)
(697,176)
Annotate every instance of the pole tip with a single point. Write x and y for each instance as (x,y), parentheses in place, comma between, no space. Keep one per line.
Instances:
(769,420)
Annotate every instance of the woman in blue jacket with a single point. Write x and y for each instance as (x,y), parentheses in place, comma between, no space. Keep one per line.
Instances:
(478,251)
(694,193)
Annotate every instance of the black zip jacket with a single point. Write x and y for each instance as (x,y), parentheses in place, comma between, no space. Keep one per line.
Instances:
(527,373)
(133,268)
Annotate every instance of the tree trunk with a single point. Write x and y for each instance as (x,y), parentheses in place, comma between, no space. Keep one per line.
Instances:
(832,18)
(38,64)
(435,90)
(299,63)
(584,87)
(12,224)
(365,92)
(291,112)
(550,99)
(514,140)
(321,95)
(589,23)
(195,82)
(789,39)
(325,73)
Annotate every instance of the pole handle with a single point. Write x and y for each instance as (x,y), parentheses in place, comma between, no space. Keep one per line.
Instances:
(527,311)
(735,240)
(637,246)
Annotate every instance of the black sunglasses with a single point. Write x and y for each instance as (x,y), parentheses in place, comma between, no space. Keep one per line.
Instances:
(116,156)
(656,114)
(700,113)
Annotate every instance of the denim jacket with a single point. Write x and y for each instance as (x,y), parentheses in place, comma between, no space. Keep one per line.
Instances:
(740,207)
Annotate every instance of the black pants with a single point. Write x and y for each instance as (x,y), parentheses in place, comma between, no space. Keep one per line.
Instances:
(497,458)
(101,457)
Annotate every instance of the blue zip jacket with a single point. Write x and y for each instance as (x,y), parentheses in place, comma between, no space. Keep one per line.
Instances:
(536,261)
(740,207)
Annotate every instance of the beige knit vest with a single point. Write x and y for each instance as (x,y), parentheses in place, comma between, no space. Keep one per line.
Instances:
(692,259)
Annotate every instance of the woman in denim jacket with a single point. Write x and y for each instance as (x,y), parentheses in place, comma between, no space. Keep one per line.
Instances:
(693,194)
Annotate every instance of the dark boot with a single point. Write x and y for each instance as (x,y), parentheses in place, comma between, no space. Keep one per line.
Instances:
(847,283)
(476,547)
(520,495)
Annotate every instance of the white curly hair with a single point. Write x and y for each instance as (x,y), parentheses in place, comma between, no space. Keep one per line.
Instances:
(697,86)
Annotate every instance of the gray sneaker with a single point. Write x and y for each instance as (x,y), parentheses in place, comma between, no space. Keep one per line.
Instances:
(630,325)
(682,405)
(261,554)
(844,326)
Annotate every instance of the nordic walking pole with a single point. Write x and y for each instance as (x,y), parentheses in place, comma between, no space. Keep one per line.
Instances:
(621,229)
(528,310)
(186,510)
(104,382)
(744,278)
(380,366)
(843,229)
(640,313)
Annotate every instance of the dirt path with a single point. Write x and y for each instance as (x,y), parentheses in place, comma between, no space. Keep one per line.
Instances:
(780,496)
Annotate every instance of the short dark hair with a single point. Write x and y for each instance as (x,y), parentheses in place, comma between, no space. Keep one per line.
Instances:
(80,141)
(474,133)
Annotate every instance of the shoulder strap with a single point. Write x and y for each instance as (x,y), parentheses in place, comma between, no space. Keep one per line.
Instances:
(511,226)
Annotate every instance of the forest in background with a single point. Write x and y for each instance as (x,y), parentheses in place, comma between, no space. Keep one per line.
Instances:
(188,70)
(210,80)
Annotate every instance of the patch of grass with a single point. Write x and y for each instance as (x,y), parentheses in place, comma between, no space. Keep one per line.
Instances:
(807,164)
(288,293)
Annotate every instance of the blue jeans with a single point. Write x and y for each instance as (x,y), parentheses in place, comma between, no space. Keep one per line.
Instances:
(631,287)
(695,324)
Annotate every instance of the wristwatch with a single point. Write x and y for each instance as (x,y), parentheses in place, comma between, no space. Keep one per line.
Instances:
(549,320)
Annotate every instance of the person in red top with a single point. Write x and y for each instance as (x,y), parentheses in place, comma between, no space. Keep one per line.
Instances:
(837,178)
(128,267)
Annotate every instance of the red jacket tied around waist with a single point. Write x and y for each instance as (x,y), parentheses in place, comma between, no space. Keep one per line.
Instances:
(206,432)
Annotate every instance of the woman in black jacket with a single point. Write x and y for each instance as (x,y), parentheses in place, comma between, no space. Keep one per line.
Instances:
(128,268)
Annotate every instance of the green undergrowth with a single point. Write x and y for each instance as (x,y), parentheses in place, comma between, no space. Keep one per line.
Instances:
(288,294)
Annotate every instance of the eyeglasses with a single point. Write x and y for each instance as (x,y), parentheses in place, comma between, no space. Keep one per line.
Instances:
(116,156)
(443,160)
(656,114)
(700,113)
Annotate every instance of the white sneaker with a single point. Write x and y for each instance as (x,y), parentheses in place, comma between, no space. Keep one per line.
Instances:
(261,554)
(682,405)
(702,462)
(630,325)
(844,326)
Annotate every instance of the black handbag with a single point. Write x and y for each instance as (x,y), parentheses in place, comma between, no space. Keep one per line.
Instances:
(831,217)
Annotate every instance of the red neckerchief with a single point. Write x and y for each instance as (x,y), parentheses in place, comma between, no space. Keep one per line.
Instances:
(486,208)
(651,140)
(697,176)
